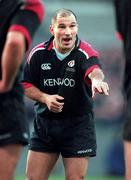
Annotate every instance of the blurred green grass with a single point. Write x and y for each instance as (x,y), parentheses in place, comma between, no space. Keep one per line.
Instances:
(87,178)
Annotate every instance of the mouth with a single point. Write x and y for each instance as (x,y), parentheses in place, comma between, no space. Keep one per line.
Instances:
(67,40)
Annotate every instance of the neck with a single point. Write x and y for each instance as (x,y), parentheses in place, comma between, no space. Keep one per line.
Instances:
(62,51)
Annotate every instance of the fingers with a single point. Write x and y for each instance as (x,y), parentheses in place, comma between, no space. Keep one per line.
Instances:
(59,98)
(56,109)
(105,88)
(101,87)
(55,105)
(58,101)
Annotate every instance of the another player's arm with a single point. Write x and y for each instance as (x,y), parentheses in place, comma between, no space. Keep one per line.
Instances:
(15,46)
(11,59)
(98,84)
(52,101)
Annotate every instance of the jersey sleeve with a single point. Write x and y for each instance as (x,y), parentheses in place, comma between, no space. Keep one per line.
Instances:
(90,64)
(27,19)
(89,59)
(31,72)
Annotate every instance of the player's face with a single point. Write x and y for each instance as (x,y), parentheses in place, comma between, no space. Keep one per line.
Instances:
(64,30)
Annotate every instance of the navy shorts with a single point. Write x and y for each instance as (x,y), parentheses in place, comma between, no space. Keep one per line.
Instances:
(14,128)
(69,136)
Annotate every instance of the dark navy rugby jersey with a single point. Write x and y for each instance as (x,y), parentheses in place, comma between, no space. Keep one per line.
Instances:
(66,78)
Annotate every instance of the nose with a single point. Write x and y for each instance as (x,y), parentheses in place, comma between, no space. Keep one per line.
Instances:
(67,31)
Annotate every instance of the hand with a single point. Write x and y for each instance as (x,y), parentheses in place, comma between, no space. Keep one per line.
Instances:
(54,103)
(99,86)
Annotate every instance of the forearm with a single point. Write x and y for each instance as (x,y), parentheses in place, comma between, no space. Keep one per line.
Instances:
(35,94)
(12,58)
(96,74)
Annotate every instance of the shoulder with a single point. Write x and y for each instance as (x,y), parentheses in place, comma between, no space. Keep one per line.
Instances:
(36,6)
(86,49)
(38,49)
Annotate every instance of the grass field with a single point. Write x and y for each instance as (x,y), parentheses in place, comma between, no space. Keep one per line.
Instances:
(88,178)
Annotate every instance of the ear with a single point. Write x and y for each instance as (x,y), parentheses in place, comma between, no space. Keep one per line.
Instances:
(51,29)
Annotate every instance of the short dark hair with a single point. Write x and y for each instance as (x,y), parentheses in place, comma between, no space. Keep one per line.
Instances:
(63,13)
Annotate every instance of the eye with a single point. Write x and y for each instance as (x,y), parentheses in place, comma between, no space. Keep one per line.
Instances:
(61,26)
(73,25)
